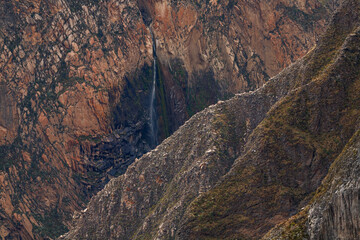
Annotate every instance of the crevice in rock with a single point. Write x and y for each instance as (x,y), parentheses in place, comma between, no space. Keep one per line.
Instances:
(145,10)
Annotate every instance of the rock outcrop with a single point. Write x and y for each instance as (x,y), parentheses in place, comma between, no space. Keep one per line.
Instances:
(75,79)
(334,212)
(63,69)
(240,167)
(335,215)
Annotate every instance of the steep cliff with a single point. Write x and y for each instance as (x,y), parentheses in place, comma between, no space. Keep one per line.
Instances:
(64,65)
(240,167)
(210,50)
(76,78)
(333,212)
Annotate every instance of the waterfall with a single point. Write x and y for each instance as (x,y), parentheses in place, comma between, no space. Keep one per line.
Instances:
(152,110)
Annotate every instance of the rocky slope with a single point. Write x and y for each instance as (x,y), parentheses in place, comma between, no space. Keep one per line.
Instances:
(334,212)
(240,167)
(75,82)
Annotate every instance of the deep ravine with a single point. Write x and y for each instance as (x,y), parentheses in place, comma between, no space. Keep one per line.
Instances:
(76,84)
(152,107)
(242,166)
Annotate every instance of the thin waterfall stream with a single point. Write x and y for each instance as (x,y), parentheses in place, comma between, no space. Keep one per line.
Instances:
(152,109)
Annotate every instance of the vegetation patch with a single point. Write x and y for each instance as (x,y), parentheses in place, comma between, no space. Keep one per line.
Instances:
(10,154)
(52,225)
(203,94)
(164,121)
(313,122)
(76,5)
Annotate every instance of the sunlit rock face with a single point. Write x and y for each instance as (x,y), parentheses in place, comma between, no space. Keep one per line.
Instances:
(76,80)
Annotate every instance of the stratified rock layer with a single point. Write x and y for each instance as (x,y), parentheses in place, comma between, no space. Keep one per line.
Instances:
(240,167)
(210,50)
(63,65)
(75,79)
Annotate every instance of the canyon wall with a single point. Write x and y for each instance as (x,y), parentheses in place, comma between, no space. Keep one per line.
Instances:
(243,166)
(75,84)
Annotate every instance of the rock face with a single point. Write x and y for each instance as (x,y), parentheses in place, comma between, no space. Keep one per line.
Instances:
(209,50)
(75,82)
(335,215)
(240,167)
(64,67)
(9,118)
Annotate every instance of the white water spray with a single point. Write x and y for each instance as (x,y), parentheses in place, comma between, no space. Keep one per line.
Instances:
(152,110)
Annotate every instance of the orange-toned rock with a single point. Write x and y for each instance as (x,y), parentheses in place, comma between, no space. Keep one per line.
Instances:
(9,115)
(26,157)
(73,72)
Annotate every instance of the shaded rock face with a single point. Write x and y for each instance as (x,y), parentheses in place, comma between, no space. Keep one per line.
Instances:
(334,210)
(75,82)
(339,216)
(9,116)
(334,213)
(240,167)
(211,50)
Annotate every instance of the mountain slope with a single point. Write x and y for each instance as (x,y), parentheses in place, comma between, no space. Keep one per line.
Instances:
(76,77)
(287,156)
(334,212)
(240,167)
